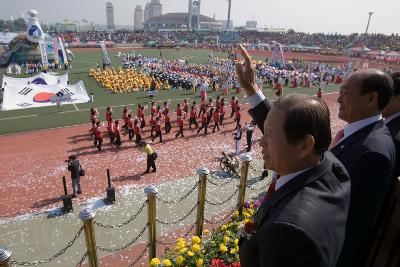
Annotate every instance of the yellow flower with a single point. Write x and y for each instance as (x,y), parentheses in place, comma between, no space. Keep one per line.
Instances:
(206,232)
(237,249)
(235,213)
(179,260)
(236,242)
(199,262)
(226,239)
(181,239)
(233,251)
(223,227)
(223,248)
(196,239)
(167,262)
(228,233)
(196,248)
(190,253)
(182,250)
(155,262)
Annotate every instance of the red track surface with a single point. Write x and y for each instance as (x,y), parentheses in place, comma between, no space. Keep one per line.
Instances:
(32,164)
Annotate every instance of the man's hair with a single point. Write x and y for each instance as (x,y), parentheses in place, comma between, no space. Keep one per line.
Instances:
(372,80)
(72,157)
(396,83)
(306,115)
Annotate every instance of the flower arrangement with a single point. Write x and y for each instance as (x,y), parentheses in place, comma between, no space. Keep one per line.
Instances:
(219,248)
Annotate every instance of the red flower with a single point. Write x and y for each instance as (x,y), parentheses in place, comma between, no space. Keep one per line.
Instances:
(235,264)
(249,227)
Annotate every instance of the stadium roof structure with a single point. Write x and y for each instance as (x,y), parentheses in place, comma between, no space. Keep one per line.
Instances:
(176,18)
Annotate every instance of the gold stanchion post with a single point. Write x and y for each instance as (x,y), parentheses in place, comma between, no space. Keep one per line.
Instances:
(87,216)
(151,192)
(246,159)
(5,256)
(201,198)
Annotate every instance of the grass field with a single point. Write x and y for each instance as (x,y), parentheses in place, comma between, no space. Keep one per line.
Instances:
(43,118)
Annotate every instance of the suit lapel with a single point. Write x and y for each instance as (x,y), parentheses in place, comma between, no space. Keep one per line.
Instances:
(295,184)
(355,137)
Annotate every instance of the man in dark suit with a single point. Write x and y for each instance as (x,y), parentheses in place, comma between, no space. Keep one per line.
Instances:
(366,149)
(391,113)
(303,222)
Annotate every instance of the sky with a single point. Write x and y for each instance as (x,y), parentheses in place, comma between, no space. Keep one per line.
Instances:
(341,16)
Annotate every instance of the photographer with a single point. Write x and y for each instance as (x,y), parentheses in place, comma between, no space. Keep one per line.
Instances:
(74,168)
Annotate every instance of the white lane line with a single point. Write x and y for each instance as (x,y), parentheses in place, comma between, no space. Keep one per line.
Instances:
(77,109)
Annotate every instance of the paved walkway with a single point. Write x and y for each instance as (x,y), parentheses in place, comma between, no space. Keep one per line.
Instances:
(37,237)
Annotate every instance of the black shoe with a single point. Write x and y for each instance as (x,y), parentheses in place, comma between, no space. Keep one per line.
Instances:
(153,171)
(79,192)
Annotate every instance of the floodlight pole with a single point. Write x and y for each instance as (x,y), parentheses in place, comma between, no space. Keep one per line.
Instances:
(229,15)
(369,19)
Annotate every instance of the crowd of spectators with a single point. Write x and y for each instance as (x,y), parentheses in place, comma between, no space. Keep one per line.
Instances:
(324,41)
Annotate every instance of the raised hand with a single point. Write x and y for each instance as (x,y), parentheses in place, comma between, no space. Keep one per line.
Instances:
(246,73)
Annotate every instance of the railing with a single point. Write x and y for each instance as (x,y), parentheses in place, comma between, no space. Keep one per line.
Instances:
(89,223)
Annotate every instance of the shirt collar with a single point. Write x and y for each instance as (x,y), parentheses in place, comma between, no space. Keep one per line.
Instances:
(392,117)
(351,128)
(286,178)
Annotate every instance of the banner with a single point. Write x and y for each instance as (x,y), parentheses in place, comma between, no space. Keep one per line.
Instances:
(63,50)
(41,78)
(55,51)
(106,58)
(20,95)
(43,53)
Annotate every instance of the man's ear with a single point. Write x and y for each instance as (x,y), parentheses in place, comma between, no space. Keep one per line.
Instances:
(307,145)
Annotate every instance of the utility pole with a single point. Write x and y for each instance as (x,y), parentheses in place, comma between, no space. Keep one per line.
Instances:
(369,19)
(229,15)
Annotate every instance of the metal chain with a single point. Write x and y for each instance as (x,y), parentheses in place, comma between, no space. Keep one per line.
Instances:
(140,256)
(181,198)
(224,201)
(173,242)
(127,245)
(216,184)
(82,260)
(181,219)
(251,167)
(221,219)
(58,254)
(125,222)
(189,231)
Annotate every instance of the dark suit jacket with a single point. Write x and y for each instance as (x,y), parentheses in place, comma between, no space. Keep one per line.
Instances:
(394,128)
(368,156)
(303,224)
(73,167)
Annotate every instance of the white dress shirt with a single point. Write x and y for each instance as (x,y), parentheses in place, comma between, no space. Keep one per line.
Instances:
(286,178)
(392,117)
(353,127)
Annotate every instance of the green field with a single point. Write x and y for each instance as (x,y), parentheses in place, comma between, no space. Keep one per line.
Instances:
(43,118)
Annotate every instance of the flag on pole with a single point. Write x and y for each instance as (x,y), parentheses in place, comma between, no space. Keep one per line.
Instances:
(55,51)
(63,50)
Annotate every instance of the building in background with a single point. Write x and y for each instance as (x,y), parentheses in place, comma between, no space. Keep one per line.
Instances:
(146,12)
(138,18)
(155,8)
(178,21)
(251,25)
(110,16)
(224,24)
(194,15)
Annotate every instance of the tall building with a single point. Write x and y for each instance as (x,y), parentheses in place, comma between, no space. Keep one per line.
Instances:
(147,12)
(194,15)
(110,16)
(155,8)
(138,18)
